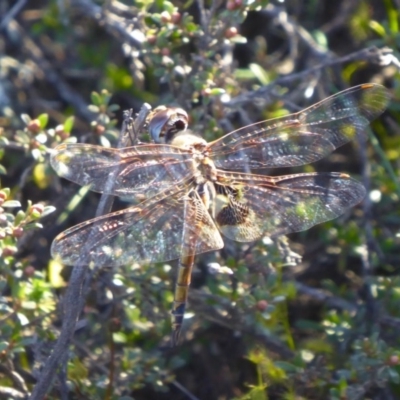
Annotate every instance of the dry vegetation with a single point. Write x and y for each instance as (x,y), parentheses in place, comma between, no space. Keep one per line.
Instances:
(312,316)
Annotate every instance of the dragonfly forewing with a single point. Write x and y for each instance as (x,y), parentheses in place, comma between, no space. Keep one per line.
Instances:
(134,172)
(304,137)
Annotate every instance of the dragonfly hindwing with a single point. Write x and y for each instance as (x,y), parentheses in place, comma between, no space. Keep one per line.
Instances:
(232,213)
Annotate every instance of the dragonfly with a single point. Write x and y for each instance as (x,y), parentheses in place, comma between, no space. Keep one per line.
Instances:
(187,193)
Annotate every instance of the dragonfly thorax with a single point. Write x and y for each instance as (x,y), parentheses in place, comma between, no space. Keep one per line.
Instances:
(204,166)
(188,140)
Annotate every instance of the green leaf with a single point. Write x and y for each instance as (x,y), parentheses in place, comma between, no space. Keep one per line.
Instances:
(68,124)
(191,27)
(217,91)
(82,192)
(3,171)
(96,99)
(394,376)
(377,28)
(19,217)
(168,7)
(106,95)
(43,119)
(33,225)
(104,141)
(36,154)
(4,346)
(11,203)
(54,274)
(26,118)
(4,141)
(238,39)
(113,107)
(22,137)
(260,73)
(278,299)
(94,109)
(321,38)
(286,366)
(40,176)
(243,74)
(47,210)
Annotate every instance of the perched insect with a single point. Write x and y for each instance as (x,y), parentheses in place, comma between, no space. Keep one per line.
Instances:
(190,191)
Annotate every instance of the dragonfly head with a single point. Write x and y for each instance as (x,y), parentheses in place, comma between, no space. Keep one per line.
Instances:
(166,122)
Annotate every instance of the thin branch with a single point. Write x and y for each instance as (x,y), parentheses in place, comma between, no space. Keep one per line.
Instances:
(7,368)
(293,29)
(11,393)
(345,12)
(373,54)
(186,392)
(121,28)
(12,13)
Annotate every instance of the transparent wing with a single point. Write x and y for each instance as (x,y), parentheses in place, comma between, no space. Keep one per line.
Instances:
(250,206)
(150,232)
(132,172)
(304,137)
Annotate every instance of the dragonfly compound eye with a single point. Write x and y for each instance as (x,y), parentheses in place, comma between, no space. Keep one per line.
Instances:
(166,121)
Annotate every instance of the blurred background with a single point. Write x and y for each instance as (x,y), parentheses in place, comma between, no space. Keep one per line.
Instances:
(310,316)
